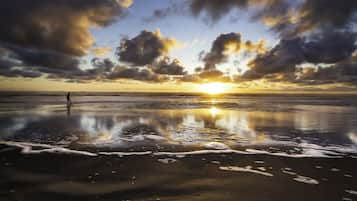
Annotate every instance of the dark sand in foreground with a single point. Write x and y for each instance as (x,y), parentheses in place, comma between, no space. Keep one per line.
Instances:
(50,176)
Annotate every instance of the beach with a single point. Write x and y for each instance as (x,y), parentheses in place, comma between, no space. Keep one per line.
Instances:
(177,147)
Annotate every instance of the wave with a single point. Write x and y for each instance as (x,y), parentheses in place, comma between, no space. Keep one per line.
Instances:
(319,152)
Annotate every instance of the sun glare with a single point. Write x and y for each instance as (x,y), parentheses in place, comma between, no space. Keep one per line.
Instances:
(213,88)
(213,111)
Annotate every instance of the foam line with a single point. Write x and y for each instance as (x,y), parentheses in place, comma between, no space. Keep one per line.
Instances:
(199,152)
(27,148)
(306,180)
(121,154)
(245,169)
(282,154)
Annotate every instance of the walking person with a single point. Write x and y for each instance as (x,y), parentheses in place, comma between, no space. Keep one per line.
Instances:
(69,102)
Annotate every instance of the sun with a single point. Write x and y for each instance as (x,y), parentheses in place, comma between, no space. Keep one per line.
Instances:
(213,111)
(213,88)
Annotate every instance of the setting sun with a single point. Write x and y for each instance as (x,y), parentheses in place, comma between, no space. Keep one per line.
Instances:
(213,88)
(213,111)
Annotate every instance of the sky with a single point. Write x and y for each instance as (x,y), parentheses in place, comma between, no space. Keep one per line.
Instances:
(178,45)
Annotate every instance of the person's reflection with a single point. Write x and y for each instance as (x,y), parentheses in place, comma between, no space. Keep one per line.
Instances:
(68,109)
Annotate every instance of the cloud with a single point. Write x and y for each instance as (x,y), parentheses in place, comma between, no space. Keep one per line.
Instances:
(25,62)
(212,75)
(321,33)
(31,63)
(101,51)
(125,3)
(100,69)
(47,37)
(135,73)
(56,25)
(226,44)
(314,15)
(174,8)
(311,31)
(193,78)
(342,72)
(145,48)
(213,9)
(41,58)
(17,72)
(283,16)
(317,42)
(216,9)
(323,48)
(35,62)
(167,67)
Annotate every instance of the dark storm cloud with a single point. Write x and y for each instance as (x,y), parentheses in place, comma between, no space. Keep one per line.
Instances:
(167,67)
(56,25)
(226,44)
(326,48)
(144,48)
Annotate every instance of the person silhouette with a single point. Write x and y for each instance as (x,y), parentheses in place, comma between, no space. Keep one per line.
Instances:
(69,102)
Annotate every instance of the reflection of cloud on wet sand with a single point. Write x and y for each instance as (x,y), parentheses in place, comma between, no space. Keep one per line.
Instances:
(101,130)
(201,126)
(353,137)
